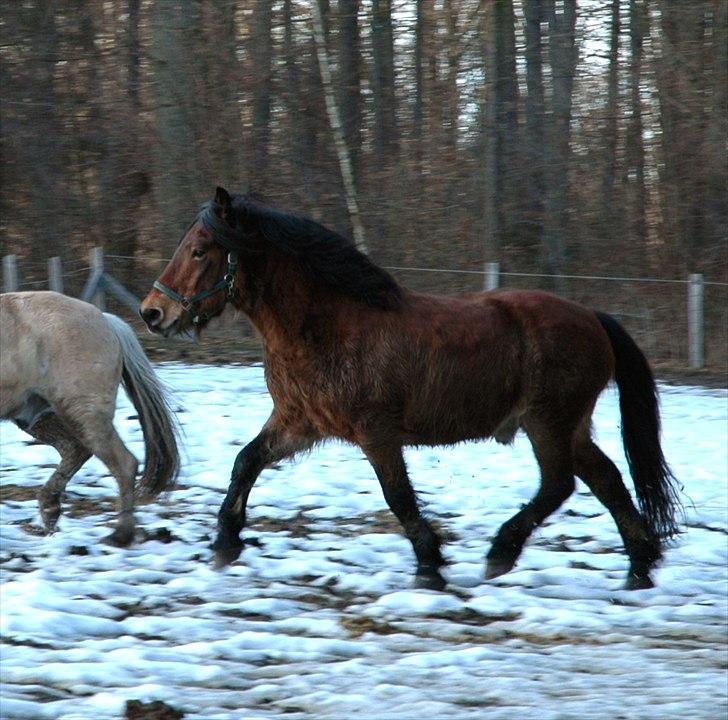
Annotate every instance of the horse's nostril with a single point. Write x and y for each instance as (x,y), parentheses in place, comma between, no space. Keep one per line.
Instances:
(151,316)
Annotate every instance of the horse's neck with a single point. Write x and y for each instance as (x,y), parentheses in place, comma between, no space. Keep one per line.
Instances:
(281,304)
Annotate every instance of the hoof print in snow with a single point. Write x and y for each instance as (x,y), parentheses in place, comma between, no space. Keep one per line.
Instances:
(157,710)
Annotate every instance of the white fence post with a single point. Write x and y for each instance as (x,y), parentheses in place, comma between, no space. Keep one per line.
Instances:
(10,273)
(696,328)
(492,272)
(97,269)
(55,274)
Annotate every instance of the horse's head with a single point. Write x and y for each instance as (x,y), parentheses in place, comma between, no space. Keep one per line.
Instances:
(198,281)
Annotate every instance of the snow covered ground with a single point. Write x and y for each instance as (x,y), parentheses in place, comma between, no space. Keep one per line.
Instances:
(318,618)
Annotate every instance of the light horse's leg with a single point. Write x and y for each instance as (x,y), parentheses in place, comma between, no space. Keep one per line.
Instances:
(50,430)
(99,435)
(389,465)
(271,445)
(552,445)
(604,479)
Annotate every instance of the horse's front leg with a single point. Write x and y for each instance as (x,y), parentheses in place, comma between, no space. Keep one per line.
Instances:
(50,430)
(271,445)
(389,465)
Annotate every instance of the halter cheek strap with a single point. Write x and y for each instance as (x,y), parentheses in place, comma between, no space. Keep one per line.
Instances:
(226,236)
(189,304)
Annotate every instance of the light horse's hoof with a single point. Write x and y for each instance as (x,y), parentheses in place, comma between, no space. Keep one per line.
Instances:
(50,519)
(49,505)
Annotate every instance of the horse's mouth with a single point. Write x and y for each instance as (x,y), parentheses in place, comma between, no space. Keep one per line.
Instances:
(170,331)
(166,332)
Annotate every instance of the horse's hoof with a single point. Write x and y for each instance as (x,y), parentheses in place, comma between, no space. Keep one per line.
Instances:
(226,553)
(429,581)
(121,537)
(496,568)
(50,511)
(638,582)
(49,522)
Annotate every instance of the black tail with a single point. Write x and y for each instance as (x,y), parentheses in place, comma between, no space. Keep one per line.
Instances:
(656,486)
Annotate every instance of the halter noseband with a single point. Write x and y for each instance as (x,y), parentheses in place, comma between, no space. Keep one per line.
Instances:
(226,236)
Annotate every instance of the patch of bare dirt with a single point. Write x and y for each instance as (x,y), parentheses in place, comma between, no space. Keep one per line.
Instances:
(157,710)
(20,493)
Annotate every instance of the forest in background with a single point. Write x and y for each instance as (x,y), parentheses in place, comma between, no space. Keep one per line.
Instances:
(555,137)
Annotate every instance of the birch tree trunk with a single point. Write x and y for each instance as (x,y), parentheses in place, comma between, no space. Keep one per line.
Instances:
(337,131)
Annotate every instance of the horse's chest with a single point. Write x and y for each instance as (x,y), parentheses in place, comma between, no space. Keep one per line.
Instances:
(306,401)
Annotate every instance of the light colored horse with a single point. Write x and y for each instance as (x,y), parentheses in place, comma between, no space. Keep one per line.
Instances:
(60,367)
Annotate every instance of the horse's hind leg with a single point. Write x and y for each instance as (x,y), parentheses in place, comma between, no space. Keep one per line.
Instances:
(100,436)
(554,455)
(391,471)
(604,479)
(50,430)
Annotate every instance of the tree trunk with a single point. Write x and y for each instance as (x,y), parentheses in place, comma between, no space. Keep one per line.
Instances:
(535,106)
(609,231)
(350,100)
(386,138)
(261,43)
(635,148)
(562,56)
(174,26)
(44,147)
(489,138)
(336,129)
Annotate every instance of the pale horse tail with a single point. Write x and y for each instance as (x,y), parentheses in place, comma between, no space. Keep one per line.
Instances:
(149,397)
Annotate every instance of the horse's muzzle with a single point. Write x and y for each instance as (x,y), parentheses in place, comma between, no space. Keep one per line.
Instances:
(152,316)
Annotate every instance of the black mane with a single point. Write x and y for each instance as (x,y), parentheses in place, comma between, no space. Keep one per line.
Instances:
(323,255)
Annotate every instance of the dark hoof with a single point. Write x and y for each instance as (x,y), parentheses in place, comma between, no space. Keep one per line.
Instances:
(496,568)
(430,580)
(121,537)
(638,582)
(226,553)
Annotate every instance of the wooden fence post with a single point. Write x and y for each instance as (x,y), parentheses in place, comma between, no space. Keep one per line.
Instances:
(10,273)
(97,269)
(55,274)
(696,328)
(492,279)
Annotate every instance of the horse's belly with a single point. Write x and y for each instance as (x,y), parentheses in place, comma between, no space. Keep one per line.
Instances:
(449,423)
(19,371)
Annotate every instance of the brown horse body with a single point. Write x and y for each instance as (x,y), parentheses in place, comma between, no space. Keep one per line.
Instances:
(438,371)
(350,354)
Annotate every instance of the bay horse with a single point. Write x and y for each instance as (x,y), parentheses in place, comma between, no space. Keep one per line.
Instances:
(351,354)
(61,365)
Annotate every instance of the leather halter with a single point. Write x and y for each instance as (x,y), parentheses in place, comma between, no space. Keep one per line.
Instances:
(224,235)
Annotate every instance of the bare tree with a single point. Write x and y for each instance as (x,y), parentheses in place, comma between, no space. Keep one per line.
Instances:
(562,51)
(178,178)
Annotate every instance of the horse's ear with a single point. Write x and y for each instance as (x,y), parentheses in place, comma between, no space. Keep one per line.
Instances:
(223,199)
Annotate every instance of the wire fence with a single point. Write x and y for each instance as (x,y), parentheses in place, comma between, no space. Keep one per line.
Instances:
(681,322)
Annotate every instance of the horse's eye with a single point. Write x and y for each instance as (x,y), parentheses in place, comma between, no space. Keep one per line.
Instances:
(198,252)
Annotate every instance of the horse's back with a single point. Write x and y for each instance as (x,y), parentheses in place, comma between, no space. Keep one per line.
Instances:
(567,353)
(57,347)
(482,360)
